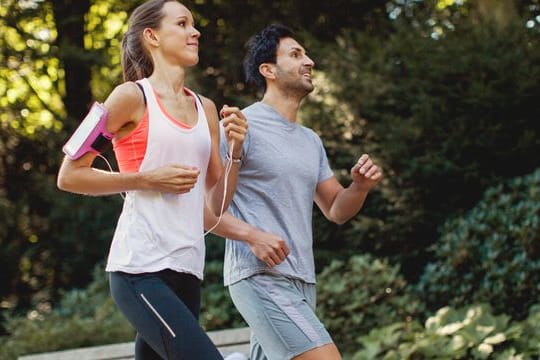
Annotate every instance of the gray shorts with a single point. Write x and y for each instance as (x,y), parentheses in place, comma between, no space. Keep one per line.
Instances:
(281,314)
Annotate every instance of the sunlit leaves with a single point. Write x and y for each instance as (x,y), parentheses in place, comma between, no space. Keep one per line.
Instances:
(442,4)
(29,96)
(31,78)
(106,24)
(27,80)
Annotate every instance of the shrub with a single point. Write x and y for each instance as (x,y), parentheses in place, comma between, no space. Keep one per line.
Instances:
(89,317)
(356,296)
(472,332)
(492,253)
(217,308)
(443,133)
(85,317)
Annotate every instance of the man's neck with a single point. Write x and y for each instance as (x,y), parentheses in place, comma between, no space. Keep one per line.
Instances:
(287,106)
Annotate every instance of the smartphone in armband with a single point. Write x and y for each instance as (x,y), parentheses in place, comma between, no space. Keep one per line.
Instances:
(91,135)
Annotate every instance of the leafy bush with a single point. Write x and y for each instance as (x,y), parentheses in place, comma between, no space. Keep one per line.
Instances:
(49,332)
(356,296)
(217,308)
(84,317)
(446,117)
(50,239)
(471,332)
(492,253)
(89,317)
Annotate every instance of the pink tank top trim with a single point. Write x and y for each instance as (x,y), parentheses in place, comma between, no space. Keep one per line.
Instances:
(130,150)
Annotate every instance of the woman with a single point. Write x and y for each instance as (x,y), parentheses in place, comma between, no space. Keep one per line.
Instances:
(166,141)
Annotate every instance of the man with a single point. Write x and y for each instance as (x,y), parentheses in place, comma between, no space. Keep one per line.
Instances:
(269,264)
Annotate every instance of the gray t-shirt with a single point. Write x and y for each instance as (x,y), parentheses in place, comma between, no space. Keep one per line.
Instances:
(282,164)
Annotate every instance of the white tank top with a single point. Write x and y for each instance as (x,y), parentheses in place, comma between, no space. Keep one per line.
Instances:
(156,230)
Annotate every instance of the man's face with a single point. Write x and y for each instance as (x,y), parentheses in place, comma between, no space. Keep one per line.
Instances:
(293,68)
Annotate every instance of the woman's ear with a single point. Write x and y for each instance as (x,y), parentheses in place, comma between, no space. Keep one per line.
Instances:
(267,70)
(150,36)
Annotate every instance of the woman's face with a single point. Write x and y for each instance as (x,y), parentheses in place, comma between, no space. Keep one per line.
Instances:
(177,37)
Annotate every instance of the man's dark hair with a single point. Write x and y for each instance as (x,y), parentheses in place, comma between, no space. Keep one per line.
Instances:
(262,48)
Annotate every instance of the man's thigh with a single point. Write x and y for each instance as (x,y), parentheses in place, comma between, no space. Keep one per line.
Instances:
(280,312)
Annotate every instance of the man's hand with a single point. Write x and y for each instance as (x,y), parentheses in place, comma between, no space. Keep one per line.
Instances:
(365,174)
(269,248)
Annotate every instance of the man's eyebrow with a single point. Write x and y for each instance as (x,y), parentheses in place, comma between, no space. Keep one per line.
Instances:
(296,48)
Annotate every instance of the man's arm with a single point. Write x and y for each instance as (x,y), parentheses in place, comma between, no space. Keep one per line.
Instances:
(267,247)
(340,204)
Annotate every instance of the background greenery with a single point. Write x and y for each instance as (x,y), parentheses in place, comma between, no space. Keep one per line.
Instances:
(442,262)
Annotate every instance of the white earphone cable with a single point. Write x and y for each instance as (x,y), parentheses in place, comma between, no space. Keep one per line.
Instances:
(228,168)
(123,195)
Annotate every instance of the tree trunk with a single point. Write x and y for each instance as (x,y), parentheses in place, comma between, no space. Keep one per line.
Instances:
(69,17)
(501,12)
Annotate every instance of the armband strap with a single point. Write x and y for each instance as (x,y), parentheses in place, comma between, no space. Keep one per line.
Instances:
(101,143)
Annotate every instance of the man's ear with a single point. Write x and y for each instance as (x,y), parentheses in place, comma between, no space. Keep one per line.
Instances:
(267,70)
(151,37)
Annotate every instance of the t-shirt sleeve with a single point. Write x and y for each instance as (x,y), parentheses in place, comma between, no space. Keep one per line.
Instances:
(325,172)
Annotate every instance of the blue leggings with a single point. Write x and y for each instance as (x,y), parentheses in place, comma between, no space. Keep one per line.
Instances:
(163,307)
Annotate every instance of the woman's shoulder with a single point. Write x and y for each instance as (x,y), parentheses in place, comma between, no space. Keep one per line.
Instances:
(209,106)
(126,95)
(127,91)
(125,104)
(206,102)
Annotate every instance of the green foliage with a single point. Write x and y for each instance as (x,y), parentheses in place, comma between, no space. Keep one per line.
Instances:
(217,308)
(356,296)
(83,302)
(445,117)
(492,253)
(49,239)
(225,30)
(89,317)
(56,58)
(529,339)
(55,332)
(85,318)
(471,332)
(29,74)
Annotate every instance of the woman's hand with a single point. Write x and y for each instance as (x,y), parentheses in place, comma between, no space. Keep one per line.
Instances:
(176,179)
(235,126)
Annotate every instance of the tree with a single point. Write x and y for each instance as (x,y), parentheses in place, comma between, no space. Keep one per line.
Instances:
(444,114)
(45,89)
(60,55)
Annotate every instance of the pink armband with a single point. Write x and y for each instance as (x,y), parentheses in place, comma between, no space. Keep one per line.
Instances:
(91,135)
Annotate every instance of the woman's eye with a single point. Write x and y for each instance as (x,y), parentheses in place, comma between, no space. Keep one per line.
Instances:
(182,23)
